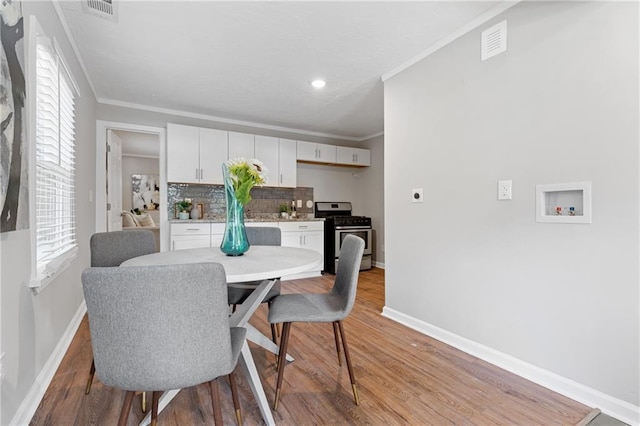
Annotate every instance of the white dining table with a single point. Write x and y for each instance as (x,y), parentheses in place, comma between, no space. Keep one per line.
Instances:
(266,263)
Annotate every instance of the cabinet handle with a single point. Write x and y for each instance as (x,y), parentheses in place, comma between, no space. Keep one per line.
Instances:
(317,153)
(201,174)
(193,229)
(173,245)
(356,155)
(304,237)
(300,239)
(280,177)
(302,226)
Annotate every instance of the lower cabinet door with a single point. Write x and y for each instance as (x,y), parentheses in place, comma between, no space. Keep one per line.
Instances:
(181,242)
(292,239)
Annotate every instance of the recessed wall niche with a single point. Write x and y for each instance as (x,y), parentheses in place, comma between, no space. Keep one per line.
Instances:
(564,203)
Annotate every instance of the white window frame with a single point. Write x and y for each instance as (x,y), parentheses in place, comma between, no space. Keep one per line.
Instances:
(45,272)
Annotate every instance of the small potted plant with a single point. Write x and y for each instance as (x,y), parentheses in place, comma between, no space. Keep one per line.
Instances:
(183,209)
(284,210)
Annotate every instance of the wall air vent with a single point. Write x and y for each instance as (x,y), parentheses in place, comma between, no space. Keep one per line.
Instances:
(494,41)
(106,9)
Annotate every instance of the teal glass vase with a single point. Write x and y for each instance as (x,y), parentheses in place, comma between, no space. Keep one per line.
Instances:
(235,242)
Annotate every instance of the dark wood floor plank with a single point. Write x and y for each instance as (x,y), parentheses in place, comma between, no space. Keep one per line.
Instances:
(404,377)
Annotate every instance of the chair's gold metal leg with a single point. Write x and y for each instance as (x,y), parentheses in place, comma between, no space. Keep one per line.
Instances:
(234,395)
(355,393)
(347,358)
(144,402)
(275,405)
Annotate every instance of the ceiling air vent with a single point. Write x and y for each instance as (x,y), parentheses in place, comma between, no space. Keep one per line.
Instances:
(494,40)
(106,9)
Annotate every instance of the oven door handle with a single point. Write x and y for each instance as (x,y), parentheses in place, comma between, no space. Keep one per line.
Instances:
(352,227)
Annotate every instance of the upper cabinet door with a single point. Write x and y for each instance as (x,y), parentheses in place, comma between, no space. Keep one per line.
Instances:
(183,154)
(266,150)
(241,145)
(307,151)
(288,167)
(213,152)
(326,153)
(353,156)
(316,152)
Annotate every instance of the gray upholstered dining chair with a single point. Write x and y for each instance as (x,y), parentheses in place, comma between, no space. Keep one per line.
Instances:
(333,307)
(113,248)
(157,328)
(238,292)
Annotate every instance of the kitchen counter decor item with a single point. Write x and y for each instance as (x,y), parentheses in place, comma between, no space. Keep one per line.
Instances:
(239,176)
(284,211)
(183,208)
(196,211)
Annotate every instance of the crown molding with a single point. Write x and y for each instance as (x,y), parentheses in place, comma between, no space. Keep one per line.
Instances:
(375,135)
(187,114)
(475,23)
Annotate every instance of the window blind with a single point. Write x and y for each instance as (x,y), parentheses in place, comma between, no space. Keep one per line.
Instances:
(55,157)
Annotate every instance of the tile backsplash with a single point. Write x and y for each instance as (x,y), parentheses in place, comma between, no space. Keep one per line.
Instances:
(265,201)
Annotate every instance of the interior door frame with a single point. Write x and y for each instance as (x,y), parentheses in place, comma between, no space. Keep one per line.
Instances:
(114,182)
(101,178)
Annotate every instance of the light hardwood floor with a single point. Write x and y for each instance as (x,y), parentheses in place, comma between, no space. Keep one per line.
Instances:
(403,376)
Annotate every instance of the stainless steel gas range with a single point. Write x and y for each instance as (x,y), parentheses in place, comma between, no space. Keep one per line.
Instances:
(338,224)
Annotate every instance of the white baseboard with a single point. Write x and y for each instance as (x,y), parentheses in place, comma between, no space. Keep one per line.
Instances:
(30,403)
(378,265)
(609,405)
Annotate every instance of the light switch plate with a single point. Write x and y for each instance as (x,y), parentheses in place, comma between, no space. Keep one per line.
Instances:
(417,195)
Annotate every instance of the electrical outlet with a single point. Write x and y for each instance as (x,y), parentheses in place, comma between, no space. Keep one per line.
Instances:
(417,196)
(504,190)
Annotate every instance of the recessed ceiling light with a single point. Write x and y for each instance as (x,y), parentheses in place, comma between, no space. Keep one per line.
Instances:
(318,84)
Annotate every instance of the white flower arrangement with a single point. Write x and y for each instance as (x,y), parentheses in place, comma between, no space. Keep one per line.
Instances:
(244,175)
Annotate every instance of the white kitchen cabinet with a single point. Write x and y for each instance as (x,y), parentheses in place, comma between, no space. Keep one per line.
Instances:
(183,153)
(266,150)
(190,235)
(195,155)
(213,152)
(309,235)
(217,234)
(241,145)
(353,156)
(279,157)
(316,152)
(287,149)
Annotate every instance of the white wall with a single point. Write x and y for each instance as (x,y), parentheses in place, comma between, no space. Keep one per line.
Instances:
(32,325)
(561,105)
(372,198)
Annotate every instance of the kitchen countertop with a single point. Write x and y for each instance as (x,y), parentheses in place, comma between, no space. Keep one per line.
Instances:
(222,219)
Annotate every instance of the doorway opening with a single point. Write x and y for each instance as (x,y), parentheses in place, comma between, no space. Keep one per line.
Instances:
(131,175)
